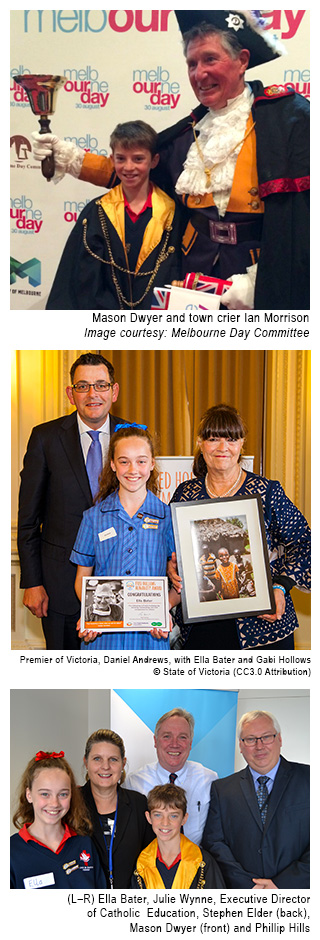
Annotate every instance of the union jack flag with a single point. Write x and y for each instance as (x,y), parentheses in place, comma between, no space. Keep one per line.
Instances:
(161,297)
(212,284)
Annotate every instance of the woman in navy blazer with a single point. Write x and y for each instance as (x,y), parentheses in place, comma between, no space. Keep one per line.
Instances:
(120,828)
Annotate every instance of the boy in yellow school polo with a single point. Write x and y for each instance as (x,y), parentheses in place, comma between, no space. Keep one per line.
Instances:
(171,860)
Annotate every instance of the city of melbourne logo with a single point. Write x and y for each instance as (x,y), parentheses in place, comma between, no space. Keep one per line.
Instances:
(29,270)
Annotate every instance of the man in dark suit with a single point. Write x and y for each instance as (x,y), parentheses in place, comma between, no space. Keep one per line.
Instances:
(54,493)
(258,821)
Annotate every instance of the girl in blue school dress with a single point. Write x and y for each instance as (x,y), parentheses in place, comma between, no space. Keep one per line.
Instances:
(127,531)
(53,848)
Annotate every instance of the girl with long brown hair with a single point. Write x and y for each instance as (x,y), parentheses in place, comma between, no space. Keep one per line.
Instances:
(128,531)
(53,848)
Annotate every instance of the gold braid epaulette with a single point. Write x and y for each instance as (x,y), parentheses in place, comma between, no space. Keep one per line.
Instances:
(202,880)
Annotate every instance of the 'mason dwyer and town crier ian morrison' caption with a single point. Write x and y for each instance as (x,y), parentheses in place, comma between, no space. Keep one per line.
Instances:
(198,325)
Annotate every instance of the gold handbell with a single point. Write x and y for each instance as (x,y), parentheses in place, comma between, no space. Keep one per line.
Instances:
(42,92)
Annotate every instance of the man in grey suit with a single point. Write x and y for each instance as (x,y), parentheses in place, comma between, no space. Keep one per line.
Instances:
(54,493)
(258,822)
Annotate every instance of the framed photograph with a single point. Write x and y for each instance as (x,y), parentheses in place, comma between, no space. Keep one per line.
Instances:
(222,558)
(120,604)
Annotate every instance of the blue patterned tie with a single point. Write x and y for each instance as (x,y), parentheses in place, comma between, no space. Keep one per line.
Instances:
(94,462)
(262,797)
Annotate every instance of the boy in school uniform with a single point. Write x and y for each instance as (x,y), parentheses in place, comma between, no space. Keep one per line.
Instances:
(171,860)
(128,240)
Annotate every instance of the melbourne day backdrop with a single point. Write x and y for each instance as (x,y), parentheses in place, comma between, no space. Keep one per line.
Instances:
(118,65)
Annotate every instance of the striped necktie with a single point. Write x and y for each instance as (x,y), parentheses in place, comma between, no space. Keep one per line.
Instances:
(262,797)
(94,462)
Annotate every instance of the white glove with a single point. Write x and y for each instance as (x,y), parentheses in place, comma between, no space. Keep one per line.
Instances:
(68,158)
(241,295)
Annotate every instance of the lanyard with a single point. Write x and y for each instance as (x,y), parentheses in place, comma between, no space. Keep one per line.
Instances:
(109,850)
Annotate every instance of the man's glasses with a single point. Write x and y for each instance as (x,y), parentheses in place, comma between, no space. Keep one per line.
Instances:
(264,738)
(98,386)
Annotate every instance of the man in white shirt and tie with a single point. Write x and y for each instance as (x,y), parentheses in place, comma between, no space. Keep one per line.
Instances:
(173,742)
(58,483)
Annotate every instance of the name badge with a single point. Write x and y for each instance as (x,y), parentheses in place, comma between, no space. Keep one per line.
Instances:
(147,525)
(107,534)
(39,881)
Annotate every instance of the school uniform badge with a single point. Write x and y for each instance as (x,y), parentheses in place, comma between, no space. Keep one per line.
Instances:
(85,857)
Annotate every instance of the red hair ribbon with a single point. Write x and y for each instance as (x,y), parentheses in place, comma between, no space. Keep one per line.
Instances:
(42,755)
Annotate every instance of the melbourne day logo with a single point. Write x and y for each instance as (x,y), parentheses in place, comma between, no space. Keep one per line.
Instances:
(158,90)
(26,219)
(90,90)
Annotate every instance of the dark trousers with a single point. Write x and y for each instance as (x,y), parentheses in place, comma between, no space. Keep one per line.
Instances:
(60,631)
